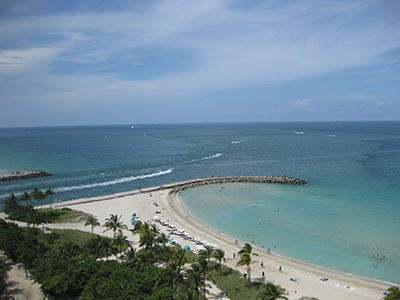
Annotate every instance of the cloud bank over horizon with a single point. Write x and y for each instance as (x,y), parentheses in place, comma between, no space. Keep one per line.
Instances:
(198,61)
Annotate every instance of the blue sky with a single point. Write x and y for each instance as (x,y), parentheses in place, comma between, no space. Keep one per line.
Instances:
(134,62)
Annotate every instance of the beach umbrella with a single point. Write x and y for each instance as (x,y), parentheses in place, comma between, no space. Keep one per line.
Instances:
(196,239)
(204,242)
(186,247)
(156,217)
(172,241)
(172,226)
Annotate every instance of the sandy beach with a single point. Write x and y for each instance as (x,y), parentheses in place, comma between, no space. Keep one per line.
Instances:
(164,203)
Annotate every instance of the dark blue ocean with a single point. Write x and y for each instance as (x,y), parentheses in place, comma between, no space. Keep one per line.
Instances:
(348,211)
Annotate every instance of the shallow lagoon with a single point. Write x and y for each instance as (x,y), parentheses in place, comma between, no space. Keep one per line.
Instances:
(325,228)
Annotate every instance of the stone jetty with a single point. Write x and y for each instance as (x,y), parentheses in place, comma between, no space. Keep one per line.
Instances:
(23,174)
(178,186)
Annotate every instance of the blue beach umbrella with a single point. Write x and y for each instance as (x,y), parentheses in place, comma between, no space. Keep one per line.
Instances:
(172,241)
(186,247)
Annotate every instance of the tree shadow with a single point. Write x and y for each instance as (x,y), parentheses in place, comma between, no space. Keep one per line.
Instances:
(11,288)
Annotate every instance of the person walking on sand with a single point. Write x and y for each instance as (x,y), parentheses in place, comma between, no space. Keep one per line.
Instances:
(280,268)
(262,264)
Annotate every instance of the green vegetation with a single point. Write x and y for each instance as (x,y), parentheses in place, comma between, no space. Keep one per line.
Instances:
(393,293)
(65,263)
(73,264)
(2,283)
(27,213)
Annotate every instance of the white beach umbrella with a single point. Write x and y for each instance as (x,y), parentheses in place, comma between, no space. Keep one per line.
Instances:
(204,242)
(196,239)
(172,226)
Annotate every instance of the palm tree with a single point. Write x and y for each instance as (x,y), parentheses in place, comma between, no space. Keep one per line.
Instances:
(273,292)
(161,238)
(204,270)
(136,227)
(245,258)
(393,293)
(194,278)
(38,195)
(219,255)
(120,241)
(179,259)
(26,197)
(149,235)
(113,223)
(207,253)
(130,256)
(49,192)
(107,247)
(93,222)
(10,204)
(145,259)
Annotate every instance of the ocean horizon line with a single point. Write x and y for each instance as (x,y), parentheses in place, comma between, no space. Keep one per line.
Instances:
(196,123)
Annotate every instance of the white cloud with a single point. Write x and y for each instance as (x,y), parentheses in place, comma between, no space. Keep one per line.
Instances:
(301,103)
(229,45)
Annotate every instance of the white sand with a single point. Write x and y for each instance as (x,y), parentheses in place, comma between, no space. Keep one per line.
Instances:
(309,283)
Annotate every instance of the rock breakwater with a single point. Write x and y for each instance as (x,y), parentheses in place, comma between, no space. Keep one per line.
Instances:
(23,174)
(178,186)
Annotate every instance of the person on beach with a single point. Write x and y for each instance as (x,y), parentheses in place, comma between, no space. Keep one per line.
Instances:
(280,268)
(262,264)
(234,254)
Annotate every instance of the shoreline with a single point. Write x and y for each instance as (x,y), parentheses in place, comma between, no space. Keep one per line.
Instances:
(166,200)
(280,257)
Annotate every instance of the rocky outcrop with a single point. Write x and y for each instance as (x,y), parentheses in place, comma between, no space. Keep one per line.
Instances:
(23,174)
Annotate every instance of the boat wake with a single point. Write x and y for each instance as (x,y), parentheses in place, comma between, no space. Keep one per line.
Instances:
(204,158)
(213,156)
(111,182)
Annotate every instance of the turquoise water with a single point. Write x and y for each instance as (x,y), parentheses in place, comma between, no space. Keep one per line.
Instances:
(347,212)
